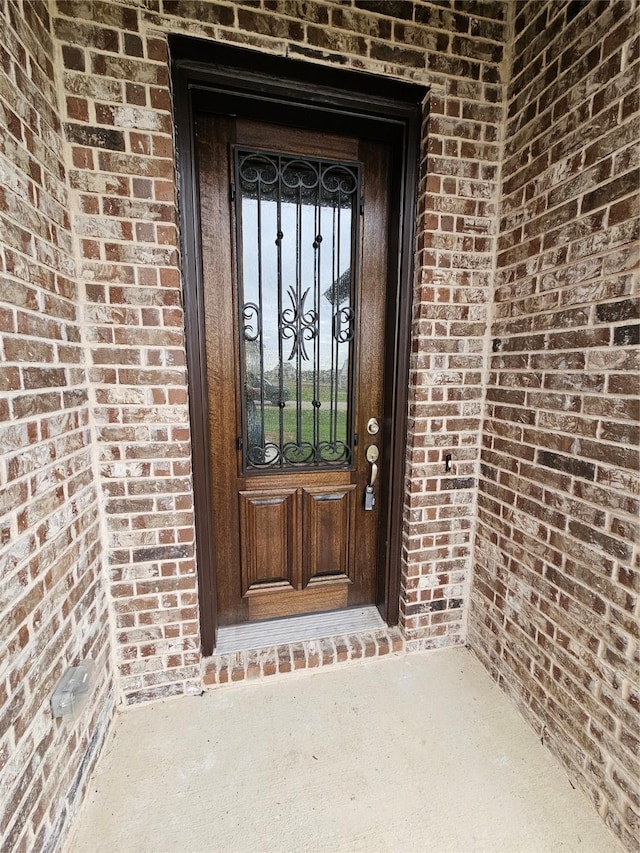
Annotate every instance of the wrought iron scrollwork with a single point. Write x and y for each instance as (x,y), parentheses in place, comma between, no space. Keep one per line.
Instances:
(300,173)
(257,168)
(298,325)
(330,179)
(252,326)
(302,454)
(336,178)
(343,325)
(334,452)
(297,234)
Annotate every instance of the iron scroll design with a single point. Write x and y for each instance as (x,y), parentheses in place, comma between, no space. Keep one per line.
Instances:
(252,321)
(297,223)
(298,324)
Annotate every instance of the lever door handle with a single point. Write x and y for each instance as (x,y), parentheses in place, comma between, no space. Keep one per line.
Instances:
(372,454)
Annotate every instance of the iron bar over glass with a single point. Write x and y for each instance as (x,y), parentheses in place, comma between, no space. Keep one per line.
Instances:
(297,230)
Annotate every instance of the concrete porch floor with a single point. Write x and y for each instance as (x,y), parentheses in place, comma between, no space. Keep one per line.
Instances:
(420,752)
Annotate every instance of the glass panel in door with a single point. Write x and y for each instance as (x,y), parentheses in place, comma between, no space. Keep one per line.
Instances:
(297,230)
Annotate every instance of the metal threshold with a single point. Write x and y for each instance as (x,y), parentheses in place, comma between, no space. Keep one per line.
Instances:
(295,629)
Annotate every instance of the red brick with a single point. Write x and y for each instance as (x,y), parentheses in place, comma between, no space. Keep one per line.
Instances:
(553,455)
(562,586)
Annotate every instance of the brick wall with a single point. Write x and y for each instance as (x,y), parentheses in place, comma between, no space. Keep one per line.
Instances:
(53,610)
(457,210)
(92,365)
(554,605)
(118,122)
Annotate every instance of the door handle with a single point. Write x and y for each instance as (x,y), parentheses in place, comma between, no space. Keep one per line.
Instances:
(372,454)
(374,474)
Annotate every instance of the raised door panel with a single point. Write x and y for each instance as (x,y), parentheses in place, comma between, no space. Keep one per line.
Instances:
(328,518)
(268,541)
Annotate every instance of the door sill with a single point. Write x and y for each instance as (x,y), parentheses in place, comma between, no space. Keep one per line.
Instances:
(297,629)
(323,652)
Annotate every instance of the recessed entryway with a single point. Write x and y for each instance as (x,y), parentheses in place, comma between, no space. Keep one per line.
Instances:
(298,188)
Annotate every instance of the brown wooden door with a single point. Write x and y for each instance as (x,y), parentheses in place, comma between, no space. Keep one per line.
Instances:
(294,258)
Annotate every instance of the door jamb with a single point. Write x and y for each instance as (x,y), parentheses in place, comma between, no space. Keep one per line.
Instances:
(237,81)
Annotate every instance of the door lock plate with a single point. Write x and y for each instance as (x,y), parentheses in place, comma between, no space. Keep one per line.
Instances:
(372,453)
(369,498)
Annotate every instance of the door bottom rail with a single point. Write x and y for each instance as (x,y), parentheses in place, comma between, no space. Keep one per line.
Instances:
(270,660)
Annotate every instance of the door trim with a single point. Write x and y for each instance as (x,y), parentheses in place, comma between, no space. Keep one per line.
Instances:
(227,80)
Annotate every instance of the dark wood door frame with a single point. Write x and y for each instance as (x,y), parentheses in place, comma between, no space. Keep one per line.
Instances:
(226,80)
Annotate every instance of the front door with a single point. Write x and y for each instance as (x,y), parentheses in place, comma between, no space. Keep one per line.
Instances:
(294,269)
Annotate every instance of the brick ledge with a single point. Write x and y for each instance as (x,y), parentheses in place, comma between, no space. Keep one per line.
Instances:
(308,654)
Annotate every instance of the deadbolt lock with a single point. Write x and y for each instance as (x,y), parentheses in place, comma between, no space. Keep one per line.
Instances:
(373,427)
